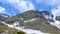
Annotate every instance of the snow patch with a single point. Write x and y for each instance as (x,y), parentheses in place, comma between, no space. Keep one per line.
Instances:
(15,24)
(30,20)
(21,18)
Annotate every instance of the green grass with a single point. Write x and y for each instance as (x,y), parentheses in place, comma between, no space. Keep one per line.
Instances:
(10,30)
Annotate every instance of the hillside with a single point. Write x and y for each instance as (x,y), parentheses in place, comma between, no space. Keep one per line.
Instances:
(36,20)
(25,16)
(7,30)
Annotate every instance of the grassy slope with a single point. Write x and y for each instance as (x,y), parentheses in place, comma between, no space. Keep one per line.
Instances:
(10,30)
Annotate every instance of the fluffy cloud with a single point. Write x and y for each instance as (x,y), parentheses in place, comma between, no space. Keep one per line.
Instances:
(55,4)
(21,5)
(24,6)
(2,9)
(56,11)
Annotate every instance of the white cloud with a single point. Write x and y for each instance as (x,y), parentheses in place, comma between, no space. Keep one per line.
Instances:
(24,6)
(2,9)
(53,3)
(21,5)
(56,11)
(48,2)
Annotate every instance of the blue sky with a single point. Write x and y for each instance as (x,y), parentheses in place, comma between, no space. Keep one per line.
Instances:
(12,7)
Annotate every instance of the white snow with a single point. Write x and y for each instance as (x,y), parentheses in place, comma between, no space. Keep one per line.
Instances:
(46,16)
(16,24)
(25,21)
(28,31)
(21,18)
(30,20)
(56,23)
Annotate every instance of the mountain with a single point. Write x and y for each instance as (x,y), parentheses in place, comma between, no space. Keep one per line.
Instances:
(3,16)
(26,16)
(57,18)
(31,14)
(36,20)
